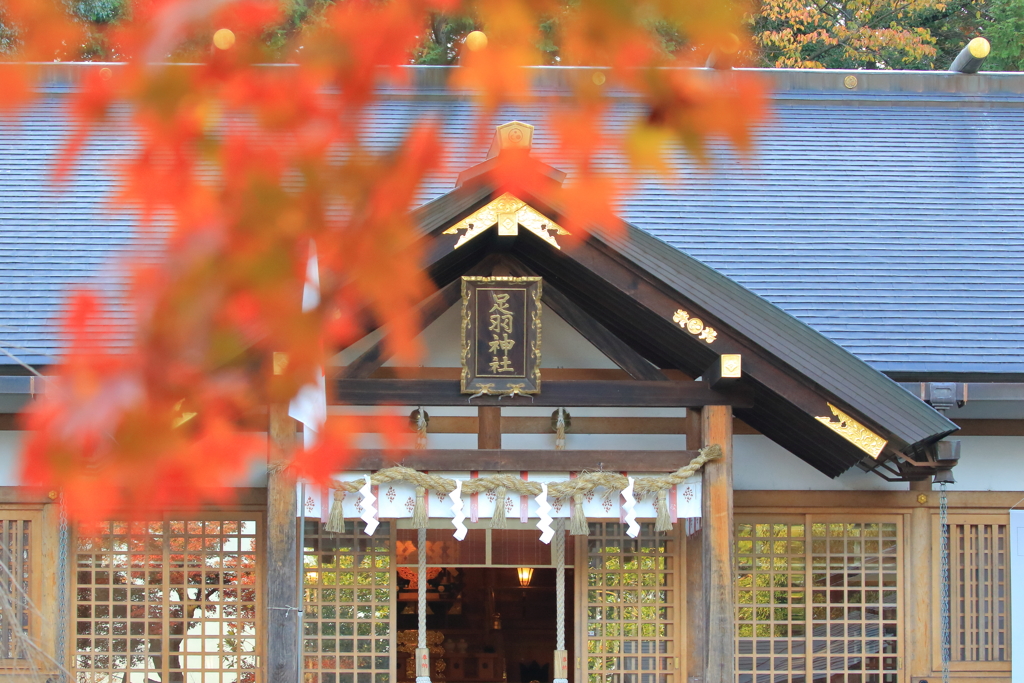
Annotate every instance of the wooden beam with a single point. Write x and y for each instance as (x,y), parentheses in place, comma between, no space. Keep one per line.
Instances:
(640,310)
(444,424)
(489,433)
(567,394)
(550,374)
(725,371)
(694,428)
(282,569)
(717,530)
(519,460)
(618,351)
(429,311)
(876,501)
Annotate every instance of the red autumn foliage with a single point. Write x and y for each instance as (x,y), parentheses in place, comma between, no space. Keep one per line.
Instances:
(239,168)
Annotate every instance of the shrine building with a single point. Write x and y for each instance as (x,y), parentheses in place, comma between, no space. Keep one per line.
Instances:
(713,443)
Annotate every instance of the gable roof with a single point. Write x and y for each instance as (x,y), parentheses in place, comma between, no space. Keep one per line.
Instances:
(632,284)
(886,217)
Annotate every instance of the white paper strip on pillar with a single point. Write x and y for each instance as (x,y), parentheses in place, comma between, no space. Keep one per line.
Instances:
(458,509)
(1017,594)
(368,509)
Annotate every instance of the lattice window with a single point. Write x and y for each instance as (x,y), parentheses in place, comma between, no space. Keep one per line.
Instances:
(174,600)
(17,567)
(979,593)
(349,603)
(817,600)
(772,601)
(631,598)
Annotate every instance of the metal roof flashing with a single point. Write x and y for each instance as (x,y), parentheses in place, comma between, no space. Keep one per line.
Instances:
(785,83)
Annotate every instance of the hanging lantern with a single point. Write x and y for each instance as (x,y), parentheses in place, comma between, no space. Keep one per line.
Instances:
(525,575)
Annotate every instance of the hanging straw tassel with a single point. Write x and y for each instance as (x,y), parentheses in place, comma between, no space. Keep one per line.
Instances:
(498,518)
(421,428)
(560,429)
(578,526)
(663,521)
(336,518)
(419,511)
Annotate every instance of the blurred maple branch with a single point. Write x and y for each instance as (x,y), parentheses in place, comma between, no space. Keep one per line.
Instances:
(290,166)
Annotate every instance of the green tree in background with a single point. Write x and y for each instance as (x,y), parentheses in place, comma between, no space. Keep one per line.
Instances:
(1004,27)
(440,40)
(846,34)
(830,34)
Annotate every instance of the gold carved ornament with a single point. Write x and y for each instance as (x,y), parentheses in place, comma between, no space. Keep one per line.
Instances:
(853,431)
(694,326)
(508,213)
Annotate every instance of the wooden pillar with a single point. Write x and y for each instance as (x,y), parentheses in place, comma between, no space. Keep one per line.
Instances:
(717,528)
(696,634)
(488,427)
(918,628)
(49,570)
(282,574)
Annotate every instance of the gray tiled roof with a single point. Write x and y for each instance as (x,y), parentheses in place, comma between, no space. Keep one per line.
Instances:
(889,219)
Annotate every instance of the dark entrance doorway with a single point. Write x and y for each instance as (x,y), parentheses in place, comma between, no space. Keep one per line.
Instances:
(484,625)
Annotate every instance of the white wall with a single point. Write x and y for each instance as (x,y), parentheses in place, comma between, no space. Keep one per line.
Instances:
(10,450)
(987,463)
(10,446)
(990,463)
(561,346)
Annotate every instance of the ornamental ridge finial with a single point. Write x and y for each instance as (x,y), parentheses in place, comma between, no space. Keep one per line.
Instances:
(511,135)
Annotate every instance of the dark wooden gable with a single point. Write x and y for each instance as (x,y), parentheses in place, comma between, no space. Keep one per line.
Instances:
(625,287)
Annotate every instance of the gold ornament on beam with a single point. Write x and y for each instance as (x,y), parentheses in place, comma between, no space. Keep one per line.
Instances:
(694,326)
(853,431)
(508,213)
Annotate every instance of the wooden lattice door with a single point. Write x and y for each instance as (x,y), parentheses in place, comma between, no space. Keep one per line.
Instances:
(170,600)
(19,577)
(629,595)
(979,593)
(818,599)
(348,580)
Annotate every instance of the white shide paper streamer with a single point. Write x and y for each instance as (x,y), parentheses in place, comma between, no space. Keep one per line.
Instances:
(368,509)
(630,507)
(543,507)
(458,508)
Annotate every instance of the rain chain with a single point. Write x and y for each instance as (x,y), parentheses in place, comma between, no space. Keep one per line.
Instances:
(944,580)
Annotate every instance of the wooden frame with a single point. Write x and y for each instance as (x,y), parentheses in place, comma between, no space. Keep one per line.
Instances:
(335,634)
(993,529)
(668,663)
(147,613)
(814,551)
(569,393)
(13,521)
(484,525)
(501,335)
(497,459)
